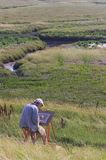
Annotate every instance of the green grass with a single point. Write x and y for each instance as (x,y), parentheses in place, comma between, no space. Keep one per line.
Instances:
(5,72)
(83,126)
(73,31)
(72,75)
(80,84)
(6,40)
(71,81)
(17,51)
(82,129)
(60,75)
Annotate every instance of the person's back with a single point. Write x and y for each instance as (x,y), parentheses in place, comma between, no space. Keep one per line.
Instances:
(29,117)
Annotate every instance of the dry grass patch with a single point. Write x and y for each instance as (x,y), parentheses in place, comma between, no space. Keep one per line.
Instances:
(88,153)
(17,150)
(68,55)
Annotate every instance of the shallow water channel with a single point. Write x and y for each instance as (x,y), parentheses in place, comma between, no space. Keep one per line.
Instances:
(50,44)
(9,66)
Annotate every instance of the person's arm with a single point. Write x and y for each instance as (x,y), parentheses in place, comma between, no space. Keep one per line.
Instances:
(35,117)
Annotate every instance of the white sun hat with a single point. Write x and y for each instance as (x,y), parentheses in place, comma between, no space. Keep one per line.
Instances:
(39,100)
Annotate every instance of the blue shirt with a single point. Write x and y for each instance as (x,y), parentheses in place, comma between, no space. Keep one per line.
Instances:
(29,117)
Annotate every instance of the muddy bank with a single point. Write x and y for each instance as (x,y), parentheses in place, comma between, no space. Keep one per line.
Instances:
(56,41)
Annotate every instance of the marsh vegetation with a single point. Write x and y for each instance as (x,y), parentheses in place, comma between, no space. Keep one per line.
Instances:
(48,42)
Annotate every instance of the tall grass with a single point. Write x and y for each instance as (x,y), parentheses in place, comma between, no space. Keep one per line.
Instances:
(6,40)
(67,54)
(87,153)
(83,126)
(17,150)
(12,53)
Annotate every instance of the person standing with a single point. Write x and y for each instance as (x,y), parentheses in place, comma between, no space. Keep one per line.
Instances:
(29,121)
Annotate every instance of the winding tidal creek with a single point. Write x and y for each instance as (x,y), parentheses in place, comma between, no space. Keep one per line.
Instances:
(55,43)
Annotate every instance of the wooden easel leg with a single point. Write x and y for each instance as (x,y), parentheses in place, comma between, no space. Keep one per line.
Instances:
(54,133)
(48,132)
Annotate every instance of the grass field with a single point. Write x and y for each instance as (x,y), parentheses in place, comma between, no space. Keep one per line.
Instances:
(18,150)
(70,78)
(56,17)
(83,135)
(60,74)
(83,126)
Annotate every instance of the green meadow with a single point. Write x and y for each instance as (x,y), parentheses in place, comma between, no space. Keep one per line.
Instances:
(65,75)
(48,43)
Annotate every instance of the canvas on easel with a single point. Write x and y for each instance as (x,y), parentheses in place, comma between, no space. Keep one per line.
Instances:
(45,117)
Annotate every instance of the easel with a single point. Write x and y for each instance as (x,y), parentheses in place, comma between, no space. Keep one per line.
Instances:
(46,122)
(48,129)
